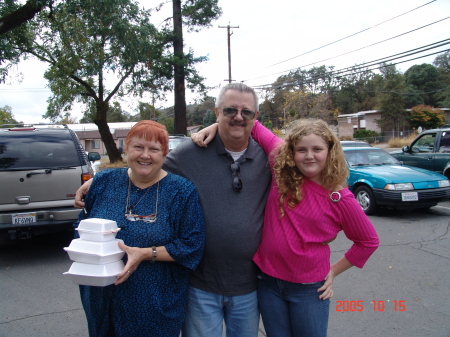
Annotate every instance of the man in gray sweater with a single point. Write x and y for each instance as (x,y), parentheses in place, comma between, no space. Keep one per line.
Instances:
(232,178)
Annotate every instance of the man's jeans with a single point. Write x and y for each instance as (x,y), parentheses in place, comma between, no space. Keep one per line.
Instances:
(206,312)
(292,309)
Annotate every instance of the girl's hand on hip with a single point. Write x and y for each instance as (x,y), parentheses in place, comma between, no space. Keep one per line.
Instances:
(327,288)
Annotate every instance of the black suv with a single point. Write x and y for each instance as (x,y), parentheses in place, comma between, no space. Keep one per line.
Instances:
(430,150)
(41,167)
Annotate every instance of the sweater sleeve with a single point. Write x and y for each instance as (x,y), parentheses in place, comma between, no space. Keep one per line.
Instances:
(265,138)
(358,228)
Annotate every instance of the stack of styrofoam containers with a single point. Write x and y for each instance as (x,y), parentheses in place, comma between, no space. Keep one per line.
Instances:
(96,254)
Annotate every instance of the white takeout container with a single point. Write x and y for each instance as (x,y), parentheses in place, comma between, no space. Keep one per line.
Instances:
(94,252)
(97,225)
(94,274)
(96,236)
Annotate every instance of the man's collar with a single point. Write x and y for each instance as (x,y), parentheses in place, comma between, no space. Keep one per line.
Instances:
(220,147)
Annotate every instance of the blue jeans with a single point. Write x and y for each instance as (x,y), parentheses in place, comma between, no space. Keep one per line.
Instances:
(206,312)
(292,309)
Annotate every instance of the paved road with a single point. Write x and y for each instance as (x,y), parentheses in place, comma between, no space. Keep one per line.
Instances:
(411,265)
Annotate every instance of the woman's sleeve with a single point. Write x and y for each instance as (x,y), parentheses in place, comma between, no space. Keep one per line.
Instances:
(358,228)
(187,249)
(265,138)
(89,199)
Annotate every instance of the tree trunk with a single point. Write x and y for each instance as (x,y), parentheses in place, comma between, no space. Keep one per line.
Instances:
(105,133)
(180,124)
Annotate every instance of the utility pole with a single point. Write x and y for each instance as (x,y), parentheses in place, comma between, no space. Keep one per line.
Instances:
(229,50)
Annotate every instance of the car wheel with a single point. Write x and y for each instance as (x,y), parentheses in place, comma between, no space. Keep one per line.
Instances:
(365,198)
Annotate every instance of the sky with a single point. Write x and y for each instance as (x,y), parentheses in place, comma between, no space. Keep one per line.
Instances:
(273,38)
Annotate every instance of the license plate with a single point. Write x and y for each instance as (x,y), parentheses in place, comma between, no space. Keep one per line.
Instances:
(410,196)
(23,218)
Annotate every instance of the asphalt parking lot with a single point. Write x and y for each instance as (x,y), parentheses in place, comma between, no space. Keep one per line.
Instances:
(402,290)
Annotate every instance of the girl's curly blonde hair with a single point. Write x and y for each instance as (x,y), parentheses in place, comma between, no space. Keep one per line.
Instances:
(288,176)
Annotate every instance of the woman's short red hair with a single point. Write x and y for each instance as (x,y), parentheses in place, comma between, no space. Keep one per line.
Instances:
(150,130)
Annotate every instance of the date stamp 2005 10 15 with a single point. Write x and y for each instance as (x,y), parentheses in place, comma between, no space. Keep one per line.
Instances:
(375,305)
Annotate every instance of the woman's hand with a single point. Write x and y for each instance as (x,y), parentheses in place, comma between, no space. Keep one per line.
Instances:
(327,288)
(80,193)
(135,256)
(204,136)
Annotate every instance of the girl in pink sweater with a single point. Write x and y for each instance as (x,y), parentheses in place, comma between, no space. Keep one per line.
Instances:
(307,206)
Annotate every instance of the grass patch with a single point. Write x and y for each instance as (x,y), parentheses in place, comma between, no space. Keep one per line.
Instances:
(105,163)
(400,142)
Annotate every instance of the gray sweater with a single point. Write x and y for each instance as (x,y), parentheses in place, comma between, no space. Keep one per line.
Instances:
(233,220)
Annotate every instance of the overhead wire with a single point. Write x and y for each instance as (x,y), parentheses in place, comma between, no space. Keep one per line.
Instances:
(341,71)
(373,44)
(352,34)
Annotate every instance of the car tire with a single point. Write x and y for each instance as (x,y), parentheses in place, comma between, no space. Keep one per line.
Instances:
(366,200)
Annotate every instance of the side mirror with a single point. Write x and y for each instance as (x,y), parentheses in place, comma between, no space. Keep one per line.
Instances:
(405,148)
(93,156)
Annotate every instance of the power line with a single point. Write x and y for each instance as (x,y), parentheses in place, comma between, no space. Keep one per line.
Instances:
(341,71)
(373,44)
(352,34)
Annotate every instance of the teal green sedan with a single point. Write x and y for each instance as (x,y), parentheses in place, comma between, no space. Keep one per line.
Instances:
(378,180)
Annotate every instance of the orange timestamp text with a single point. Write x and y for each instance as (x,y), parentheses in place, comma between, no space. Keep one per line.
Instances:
(375,305)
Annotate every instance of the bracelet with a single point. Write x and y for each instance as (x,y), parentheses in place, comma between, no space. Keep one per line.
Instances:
(154,254)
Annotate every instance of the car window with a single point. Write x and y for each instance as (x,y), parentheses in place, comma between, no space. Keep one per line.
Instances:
(424,143)
(29,150)
(444,145)
(366,158)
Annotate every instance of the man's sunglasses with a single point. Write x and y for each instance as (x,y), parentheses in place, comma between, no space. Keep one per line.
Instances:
(246,114)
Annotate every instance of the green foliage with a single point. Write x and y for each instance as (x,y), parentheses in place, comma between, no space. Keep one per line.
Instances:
(365,134)
(168,123)
(426,117)
(6,116)
(268,125)
(198,14)
(424,81)
(210,118)
(391,101)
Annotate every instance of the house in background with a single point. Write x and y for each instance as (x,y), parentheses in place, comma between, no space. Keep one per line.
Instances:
(366,120)
(90,136)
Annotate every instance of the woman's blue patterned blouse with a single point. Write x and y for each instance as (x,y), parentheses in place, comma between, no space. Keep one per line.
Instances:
(151,302)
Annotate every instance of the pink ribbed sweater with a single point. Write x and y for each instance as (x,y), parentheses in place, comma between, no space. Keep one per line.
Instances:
(291,248)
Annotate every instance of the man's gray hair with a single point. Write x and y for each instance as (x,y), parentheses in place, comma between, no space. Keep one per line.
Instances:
(241,87)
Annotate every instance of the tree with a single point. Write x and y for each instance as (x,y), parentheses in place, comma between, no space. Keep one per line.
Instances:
(391,100)
(210,118)
(196,14)
(6,116)
(426,117)
(423,79)
(91,45)
(442,62)
(18,15)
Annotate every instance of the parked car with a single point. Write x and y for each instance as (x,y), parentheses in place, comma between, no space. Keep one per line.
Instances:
(378,180)
(354,143)
(175,140)
(430,150)
(41,168)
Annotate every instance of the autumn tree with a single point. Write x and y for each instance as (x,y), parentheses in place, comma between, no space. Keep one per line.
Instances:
(426,117)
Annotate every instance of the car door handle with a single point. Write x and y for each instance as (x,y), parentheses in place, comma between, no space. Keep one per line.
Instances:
(34,173)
